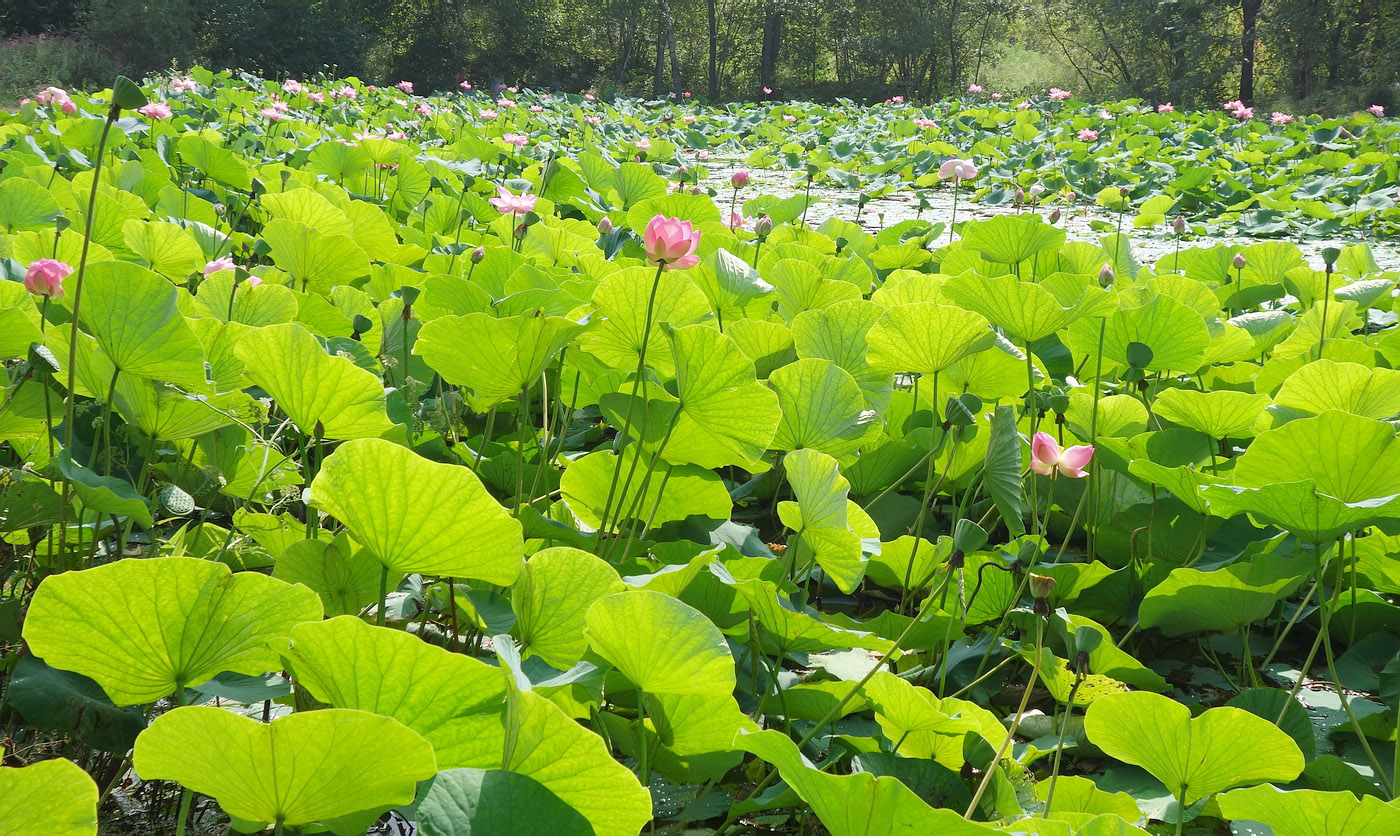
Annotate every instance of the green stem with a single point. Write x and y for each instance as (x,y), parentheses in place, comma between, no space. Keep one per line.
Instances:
(1092,535)
(1180,810)
(485,435)
(383,594)
(1060,746)
(1015,723)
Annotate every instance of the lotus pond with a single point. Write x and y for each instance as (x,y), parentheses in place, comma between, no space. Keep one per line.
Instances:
(509,464)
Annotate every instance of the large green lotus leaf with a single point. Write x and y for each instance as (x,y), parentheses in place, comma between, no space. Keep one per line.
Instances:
(417,515)
(1348,457)
(791,630)
(1077,794)
(860,804)
(493,802)
(215,161)
(925,338)
(346,578)
(1348,387)
(265,304)
(1123,416)
(838,333)
(104,494)
(673,492)
(726,416)
(1312,329)
(143,629)
(575,765)
(1300,508)
(166,414)
(728,282)
(70,704)
(768,344)
(1176,334)
(298,769)
(312,386)
(661,644)
(453,700)
(823,409)
(315,260)
(309,207)
(1225,599)
(1198,756)
(1026,311)
(133,314)
(912,716)
(496,358)
(622,299)
(167,248)
(1312,812)
(1011,239)
(800,287)
(53,798)
(694,735)
(19,322)
(552,598)
(1223,413)
(25,205)
(1001,470)
(828,526)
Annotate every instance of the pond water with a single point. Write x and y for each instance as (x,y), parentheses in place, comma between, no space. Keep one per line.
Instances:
(1148,244)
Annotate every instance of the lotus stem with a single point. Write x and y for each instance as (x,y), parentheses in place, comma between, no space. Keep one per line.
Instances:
(1015,723)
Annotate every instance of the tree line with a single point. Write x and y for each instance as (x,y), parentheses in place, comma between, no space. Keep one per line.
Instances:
(1307,54)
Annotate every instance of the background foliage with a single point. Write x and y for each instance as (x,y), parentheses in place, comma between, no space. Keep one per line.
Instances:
(1309,54)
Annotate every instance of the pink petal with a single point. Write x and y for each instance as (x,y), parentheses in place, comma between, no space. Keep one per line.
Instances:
(1044,450)
(1074,458)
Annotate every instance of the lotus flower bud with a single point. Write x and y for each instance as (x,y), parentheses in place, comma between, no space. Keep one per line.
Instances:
(1070,196)
(1037,190)
(1124,191)
(1106,275)
(1239,261)
(1020,195)
(1179,225)
(605,225)
(1055,215)
(739,179)
(763,226)
(478,254)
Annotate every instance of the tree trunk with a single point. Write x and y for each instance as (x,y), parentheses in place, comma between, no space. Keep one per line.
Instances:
(772,41)
(671,42)
(658,82)
(953,47)
(714,51)
(1250,11)
(627,38)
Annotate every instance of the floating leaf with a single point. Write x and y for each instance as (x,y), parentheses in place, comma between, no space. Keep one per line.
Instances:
(54,797)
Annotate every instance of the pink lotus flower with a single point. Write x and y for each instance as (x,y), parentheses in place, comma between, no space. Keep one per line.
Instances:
(155,111)
(1376,110)
(1233,104)
(423,109)
(406,86)
(281,107)
(788,117)
(293,87)
(271,113)
(686,94)
(1058,95)
(1244,113)
(465,85)
(513,89)
(956,170)
(536,109)
(1280,118)
(52,96)
(996,96)
(1024,104)
(1047,458)
(487,113)
(689,118)
(1105,114)
(740,179)
(1088,134)
(394,135)
(506,103)
(1166,108)
(184,85)
(671,242)
(218,264)
(974,89)
(643,144)
(346,92)
(736,221)
(922,122)
(518,140)
(595,120)
(589,97)
(768,91)
(897,99)
(702,154)
(45,277)
(318,98)
(510,204)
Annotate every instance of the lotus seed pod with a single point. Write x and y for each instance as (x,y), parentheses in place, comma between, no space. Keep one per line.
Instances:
(1041,586)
